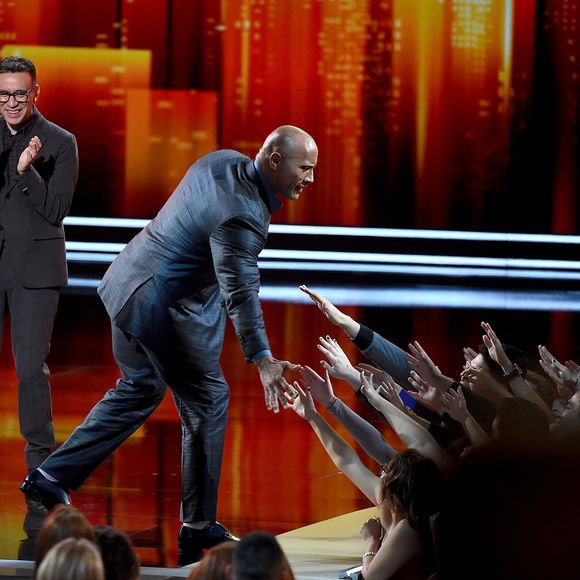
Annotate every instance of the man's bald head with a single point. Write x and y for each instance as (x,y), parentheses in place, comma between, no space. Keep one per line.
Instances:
(286,139)
(288,158)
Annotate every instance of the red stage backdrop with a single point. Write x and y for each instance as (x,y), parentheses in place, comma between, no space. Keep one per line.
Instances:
(459,114)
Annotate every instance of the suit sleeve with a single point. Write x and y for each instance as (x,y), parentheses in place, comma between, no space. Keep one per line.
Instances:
(52,198)
(235,245)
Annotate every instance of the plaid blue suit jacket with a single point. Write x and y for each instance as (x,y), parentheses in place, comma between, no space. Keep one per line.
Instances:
(203,244)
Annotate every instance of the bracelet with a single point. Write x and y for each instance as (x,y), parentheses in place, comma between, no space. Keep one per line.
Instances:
(368,554)
(515,372)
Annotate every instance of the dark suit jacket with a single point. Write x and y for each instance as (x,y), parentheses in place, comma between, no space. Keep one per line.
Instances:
(205,239)
(36,203)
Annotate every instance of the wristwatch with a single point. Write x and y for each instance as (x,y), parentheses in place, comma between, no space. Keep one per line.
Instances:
(515,372)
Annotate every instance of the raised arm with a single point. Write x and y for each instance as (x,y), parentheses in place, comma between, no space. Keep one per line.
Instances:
(413,434)
(337,363)
(456,407)
(342,455)
(520,387)
(350,326)
(367,436)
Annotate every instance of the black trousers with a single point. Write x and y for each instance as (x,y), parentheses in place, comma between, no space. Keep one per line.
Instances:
(32,312)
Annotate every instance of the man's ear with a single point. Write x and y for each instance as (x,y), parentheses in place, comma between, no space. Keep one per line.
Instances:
(36,92)
(274,160)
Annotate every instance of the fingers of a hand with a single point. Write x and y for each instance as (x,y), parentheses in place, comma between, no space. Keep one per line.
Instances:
(420,350)
(324,350)
(312,293)
(419,381)
(326,366)
(292,366)
(307,371)
(271,401)
(413,350)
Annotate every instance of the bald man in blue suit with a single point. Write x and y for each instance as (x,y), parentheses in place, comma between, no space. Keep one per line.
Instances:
(167,294)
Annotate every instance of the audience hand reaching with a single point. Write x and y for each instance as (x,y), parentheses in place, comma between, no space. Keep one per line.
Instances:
(327,308)
(422,364)
(301,402)
(338,365)
(469,354)
(454,404)
(380,376)
(388,390)
(425,393)
(369,391)
(564,375)
(495,348)
(320,389)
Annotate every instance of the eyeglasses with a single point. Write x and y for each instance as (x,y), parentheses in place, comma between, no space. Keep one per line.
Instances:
(19,96)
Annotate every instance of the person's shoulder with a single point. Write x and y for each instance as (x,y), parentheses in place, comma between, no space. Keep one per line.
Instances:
(54,129)
(403,533)
(224,156)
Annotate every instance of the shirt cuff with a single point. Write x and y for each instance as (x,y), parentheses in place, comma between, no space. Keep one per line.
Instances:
(261,354)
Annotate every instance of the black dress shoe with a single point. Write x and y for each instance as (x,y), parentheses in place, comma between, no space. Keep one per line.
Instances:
(49,493)
(192,542)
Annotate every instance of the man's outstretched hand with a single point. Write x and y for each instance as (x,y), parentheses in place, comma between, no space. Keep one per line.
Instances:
(275,385)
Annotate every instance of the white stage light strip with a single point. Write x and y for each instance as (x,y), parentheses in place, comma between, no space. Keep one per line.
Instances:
(90,257)
(451,272)
(355,231)
(94,247)
(415,297)
(432,298)
(419,259)
(103,252)
(99,222)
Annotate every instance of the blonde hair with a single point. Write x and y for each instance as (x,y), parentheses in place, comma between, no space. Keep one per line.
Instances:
(72,559)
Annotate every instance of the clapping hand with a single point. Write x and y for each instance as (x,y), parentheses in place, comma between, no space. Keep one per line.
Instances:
(29,155)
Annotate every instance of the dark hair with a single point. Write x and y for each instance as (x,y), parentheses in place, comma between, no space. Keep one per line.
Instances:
(62,522)
(18,64)
(119,558)
(414,486)
(520,422)
(515,355)
(258,556)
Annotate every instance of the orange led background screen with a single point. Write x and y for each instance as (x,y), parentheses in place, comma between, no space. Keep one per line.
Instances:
(444,114)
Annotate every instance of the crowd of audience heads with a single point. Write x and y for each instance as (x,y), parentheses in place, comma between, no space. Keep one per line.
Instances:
(69,548)
(484,489)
